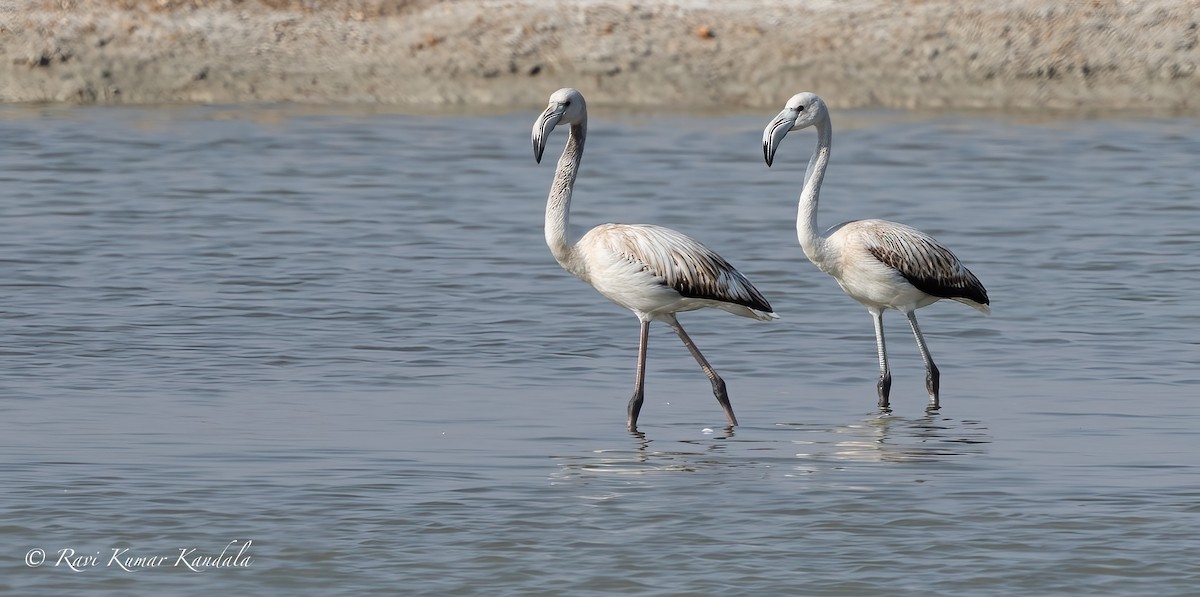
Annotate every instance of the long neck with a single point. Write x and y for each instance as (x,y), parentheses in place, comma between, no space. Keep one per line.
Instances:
(558,204)
(806,215)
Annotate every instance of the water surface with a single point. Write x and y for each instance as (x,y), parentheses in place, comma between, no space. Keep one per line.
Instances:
(340,336)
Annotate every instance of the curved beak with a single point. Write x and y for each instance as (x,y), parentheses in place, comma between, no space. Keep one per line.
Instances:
(775,132)
(542,127)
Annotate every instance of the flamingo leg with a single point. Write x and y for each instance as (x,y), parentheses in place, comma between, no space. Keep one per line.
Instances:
(932,375)
(884,387)
(718,384)
(635,403)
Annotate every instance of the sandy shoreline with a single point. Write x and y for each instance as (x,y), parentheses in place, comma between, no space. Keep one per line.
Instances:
(1004,54)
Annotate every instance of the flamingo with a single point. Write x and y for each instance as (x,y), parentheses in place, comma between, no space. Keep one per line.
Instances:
(653,271)
(881,264)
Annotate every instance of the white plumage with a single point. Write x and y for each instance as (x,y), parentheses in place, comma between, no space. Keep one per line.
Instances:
(653,271)
(881,264)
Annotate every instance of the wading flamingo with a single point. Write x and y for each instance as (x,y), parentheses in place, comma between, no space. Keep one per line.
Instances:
(653,271)
(881,264)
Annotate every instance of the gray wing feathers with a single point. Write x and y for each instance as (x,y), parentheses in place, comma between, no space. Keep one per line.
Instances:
(923,261)
(692,269)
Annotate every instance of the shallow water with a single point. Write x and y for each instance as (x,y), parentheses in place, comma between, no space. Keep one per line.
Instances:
(340,337)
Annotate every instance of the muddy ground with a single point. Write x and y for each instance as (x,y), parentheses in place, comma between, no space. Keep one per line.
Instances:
(1097,55)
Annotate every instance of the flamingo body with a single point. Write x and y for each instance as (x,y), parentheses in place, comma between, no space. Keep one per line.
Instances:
(886,265)
(654,271)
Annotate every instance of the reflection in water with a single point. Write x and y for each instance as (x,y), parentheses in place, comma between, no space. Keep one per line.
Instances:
(642,460)
(887,438)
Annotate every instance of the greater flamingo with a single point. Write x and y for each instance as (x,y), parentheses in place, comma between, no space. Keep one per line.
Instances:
(653,271)
(881,264)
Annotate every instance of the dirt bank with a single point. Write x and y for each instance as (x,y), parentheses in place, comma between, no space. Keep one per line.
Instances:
(1102,54)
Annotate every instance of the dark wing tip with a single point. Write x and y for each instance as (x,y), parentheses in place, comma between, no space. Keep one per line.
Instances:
(760,303)
(981,295)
